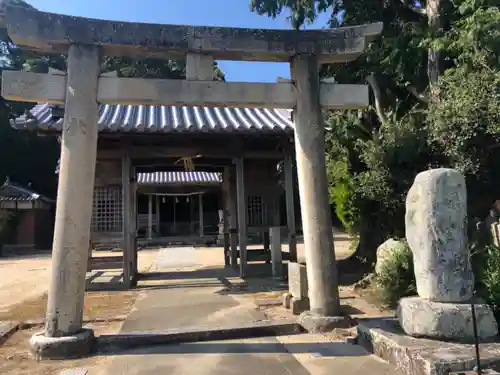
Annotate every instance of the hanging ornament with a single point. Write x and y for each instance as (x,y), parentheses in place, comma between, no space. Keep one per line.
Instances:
(187,199)
(163,199)
(176,200)
(188,163)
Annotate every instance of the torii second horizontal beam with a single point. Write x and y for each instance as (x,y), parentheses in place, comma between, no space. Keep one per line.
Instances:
(49,88)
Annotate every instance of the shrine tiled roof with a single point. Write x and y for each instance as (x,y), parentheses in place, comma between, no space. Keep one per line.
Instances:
(165,119)
(179,178)
(11,191)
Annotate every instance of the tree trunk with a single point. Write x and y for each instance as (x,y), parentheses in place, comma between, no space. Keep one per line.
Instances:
(362,261)
(433,55)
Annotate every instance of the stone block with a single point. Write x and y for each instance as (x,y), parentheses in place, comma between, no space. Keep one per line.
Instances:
(7,329)
(474,372)
(436,230)
(74,371)
(446,321)
(234,331)
(276,255)
(297,280)
(418,356)
(298,306)
(287,298)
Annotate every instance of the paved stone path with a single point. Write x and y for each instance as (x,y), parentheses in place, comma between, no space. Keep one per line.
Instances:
(176,257)
(177,293)
(180,294)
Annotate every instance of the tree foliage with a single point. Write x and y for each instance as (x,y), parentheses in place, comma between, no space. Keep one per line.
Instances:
(302,11)
(365,149)
(396,278)
(465,123)
(25,157)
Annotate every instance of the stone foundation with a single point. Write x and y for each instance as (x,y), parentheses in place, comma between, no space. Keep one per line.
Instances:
(68,347)
(417,356)
(314,323)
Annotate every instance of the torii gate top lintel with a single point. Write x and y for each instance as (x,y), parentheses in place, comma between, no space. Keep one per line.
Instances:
(49,32)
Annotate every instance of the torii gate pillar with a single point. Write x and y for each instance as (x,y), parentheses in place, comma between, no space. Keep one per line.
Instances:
(313,190)
(64,335)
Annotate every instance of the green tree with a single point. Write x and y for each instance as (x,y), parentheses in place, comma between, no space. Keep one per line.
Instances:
(434,102)
(364,150)
(25,157)
(465,123)
(302,11)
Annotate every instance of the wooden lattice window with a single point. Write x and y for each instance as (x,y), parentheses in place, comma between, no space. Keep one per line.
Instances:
(107,210)
(256,210)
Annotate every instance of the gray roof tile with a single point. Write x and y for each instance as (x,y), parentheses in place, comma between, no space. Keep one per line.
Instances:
(179,178)
(167,119)
(10,191)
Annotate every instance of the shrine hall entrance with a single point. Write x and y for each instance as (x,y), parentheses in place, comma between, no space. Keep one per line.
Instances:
(178,206)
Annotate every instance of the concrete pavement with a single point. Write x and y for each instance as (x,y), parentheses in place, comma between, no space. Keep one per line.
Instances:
(286,355)
(178,293)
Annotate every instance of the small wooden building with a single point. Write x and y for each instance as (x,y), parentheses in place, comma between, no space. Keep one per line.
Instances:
(32,219)
(181,164)
(179,204)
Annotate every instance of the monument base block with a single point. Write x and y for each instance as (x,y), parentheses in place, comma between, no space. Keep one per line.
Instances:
(418,356)
(420,317)
(67,347)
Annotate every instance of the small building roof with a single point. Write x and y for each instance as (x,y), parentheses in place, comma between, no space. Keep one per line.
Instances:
(11,191)
(166,119)
(179,178)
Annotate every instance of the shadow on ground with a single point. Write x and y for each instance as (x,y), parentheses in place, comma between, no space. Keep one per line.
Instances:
(258,280)
(207,273)
(330,349)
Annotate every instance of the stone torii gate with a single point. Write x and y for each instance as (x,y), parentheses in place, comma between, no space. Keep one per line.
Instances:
(85,41)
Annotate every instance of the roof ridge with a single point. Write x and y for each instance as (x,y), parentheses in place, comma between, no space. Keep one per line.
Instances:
(179,177)
(24,190)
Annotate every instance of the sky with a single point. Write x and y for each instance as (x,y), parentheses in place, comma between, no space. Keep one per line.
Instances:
(230,13)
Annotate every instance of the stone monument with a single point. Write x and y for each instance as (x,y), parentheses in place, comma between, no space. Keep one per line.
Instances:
(297,299)
(436,231)
(220,236)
